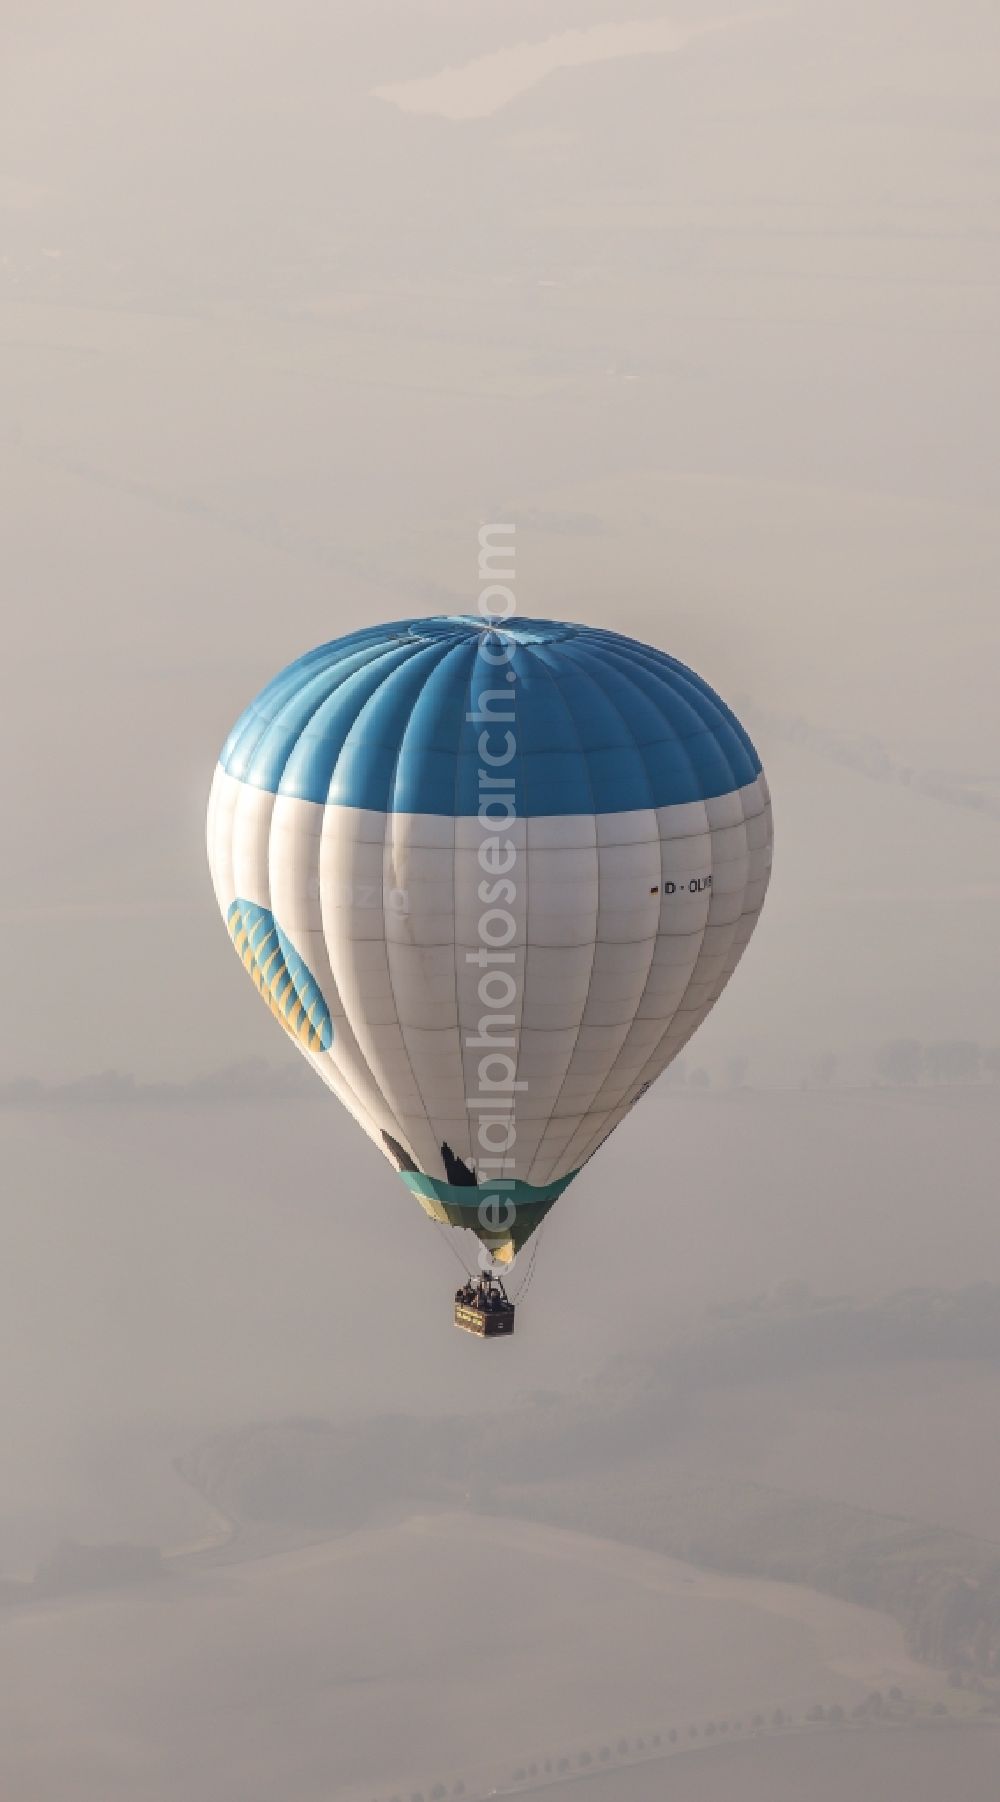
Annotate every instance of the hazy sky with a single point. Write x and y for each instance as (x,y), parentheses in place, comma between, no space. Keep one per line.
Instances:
(291,299)
(715,325)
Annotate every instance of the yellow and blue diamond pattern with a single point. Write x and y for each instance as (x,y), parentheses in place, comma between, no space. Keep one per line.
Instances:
(282,977)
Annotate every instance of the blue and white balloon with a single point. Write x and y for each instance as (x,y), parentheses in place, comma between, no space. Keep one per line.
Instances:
(490,876)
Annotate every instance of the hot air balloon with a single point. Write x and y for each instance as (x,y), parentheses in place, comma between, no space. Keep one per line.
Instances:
(490,875)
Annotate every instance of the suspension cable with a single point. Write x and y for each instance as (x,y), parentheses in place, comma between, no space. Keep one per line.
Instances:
(446,1232)
(523,1287)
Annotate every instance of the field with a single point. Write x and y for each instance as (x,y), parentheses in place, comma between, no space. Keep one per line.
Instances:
(919,1764)
(438,1649)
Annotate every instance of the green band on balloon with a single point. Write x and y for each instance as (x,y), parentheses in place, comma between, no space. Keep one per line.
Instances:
(459,1204)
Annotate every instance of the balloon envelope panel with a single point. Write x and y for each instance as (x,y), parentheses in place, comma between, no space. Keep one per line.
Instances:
(491,878)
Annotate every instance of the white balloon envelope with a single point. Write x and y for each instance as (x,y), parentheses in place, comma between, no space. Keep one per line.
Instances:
(490,876)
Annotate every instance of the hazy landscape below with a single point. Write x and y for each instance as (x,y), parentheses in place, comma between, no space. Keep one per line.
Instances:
(182,1264)
(286,1673)
(709,1540)
(921,1766)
